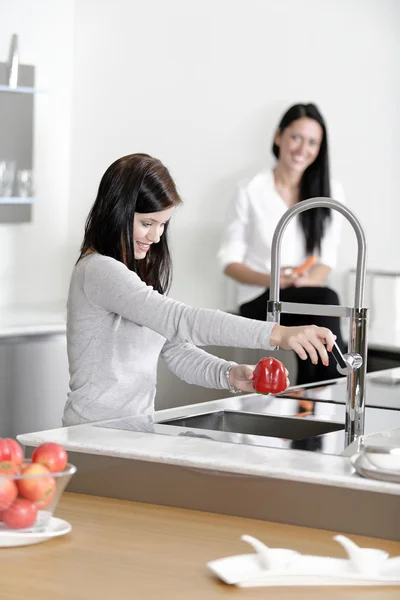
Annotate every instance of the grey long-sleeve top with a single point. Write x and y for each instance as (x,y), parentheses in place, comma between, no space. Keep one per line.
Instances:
(117,328)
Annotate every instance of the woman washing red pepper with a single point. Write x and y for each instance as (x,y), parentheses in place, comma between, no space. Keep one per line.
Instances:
(120,320)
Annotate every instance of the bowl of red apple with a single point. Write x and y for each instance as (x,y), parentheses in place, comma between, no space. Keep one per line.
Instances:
(30,489)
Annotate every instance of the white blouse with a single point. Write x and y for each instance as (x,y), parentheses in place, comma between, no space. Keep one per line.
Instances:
(250,225)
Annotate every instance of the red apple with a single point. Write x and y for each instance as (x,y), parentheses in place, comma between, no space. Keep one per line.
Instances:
(21,514)
(17,454)
(51,455)
(9,468)
(34,469)
(11,450)
(47,497)
(8,492)
(5,450)
(38,486)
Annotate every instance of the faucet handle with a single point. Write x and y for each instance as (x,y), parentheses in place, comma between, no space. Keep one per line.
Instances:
(346,363)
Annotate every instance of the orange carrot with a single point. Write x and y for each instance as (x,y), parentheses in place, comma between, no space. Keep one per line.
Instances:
(306,265)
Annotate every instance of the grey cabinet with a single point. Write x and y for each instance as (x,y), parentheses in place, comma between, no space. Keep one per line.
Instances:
(33,383)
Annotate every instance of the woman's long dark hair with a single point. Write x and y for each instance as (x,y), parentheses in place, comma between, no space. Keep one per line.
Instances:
(133,183)
(315,180)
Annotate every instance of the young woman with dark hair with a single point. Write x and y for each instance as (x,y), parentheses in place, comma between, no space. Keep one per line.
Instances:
(120,320)
(300,146)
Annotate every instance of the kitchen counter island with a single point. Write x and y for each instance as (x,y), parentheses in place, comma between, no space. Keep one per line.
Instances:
(146,460)
(120,549)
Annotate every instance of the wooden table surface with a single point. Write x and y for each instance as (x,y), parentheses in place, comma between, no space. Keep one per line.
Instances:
(119,549)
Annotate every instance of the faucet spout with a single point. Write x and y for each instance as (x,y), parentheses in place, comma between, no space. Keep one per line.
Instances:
(354,363)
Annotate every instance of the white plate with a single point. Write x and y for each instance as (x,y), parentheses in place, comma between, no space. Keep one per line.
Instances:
(245,571)
(13,538)
(363,467)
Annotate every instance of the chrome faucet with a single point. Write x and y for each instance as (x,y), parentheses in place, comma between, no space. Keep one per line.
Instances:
(354,363)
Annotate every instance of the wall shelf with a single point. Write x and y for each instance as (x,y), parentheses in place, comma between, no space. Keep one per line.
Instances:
(17,200)
(21,89)
(16,139)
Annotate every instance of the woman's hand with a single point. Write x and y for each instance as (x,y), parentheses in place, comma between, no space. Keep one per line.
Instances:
(241,377)
(308,339)
(287,277)
(306,280)
(313,277)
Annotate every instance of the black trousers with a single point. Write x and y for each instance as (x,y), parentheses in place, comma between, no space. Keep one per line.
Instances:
(307,372)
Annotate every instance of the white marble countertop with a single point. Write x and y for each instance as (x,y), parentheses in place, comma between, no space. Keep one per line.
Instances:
(32,320)
(221,457)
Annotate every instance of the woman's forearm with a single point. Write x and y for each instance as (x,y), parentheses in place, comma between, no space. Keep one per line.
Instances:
(243,274)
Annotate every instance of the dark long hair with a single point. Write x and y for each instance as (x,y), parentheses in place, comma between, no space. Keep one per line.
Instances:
(133,183)
(315,180)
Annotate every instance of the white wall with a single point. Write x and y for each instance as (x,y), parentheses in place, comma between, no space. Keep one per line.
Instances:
(34,256)
(202,86)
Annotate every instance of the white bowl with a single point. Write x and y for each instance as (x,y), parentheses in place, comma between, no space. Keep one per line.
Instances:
(383,458)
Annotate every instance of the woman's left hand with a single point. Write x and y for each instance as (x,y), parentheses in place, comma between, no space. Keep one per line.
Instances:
(313,277)
(306,280)
(241,377)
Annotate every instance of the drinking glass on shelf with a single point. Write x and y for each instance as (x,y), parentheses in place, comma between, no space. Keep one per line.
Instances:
(7,175)
(24,183)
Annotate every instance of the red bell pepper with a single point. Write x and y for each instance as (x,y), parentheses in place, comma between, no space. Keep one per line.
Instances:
(269,376)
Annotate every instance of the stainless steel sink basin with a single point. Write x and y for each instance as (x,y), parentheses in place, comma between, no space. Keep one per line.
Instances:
(316,425)
(290,428)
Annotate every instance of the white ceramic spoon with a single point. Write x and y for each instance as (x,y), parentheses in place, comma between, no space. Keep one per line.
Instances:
(365,560)
(270,558)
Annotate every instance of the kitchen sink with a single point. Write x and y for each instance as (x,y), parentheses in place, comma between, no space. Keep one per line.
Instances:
(290,428)
(267,421)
